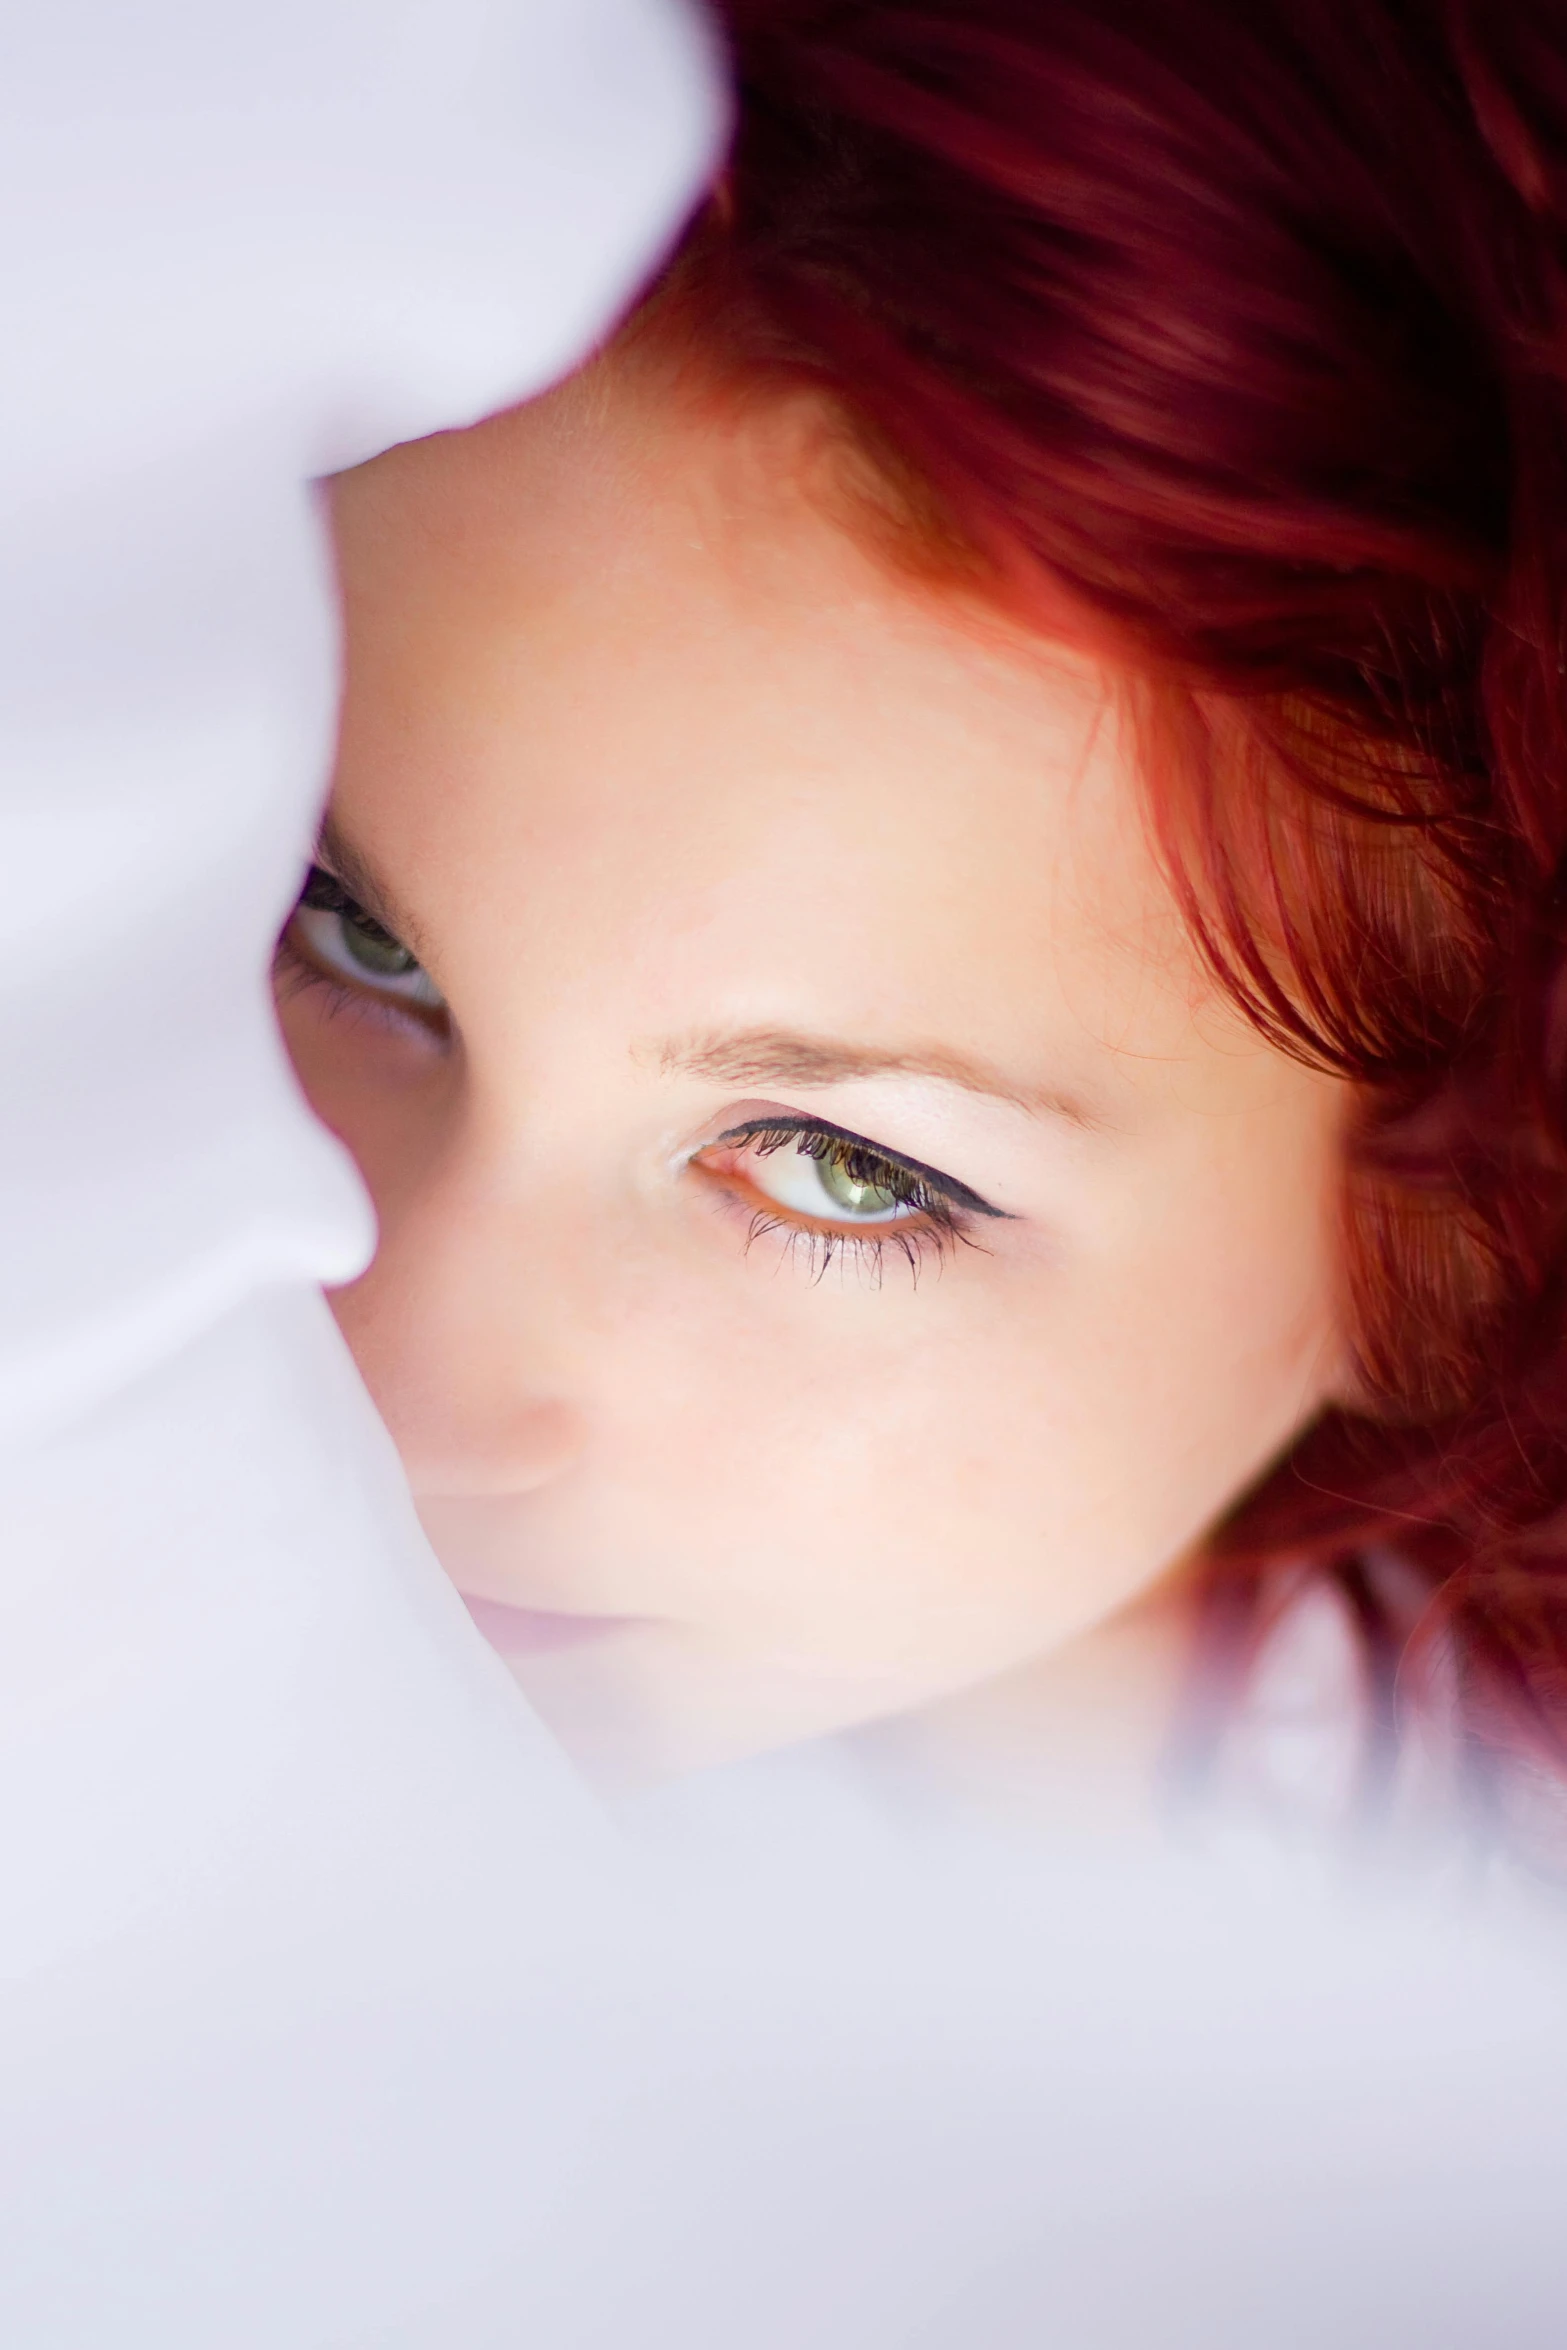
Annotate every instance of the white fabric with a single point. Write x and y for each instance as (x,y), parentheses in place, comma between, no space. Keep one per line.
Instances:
(251,1751)
(241,246)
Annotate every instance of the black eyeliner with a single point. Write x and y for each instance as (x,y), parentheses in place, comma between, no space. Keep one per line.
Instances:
(948,1186)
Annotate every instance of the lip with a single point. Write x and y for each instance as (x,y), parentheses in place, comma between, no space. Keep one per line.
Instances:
(536,1631)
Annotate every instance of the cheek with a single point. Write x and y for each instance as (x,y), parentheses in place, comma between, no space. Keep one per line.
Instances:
(925,1489)
(939,1485)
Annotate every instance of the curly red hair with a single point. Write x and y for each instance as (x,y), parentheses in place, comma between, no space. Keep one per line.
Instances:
(1244,323)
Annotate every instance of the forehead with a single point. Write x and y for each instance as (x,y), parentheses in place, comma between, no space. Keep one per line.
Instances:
(621,649)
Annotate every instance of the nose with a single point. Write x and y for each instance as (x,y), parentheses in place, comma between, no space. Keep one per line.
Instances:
(460,1329)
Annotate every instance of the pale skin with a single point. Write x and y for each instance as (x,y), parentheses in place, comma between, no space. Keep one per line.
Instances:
(706,823)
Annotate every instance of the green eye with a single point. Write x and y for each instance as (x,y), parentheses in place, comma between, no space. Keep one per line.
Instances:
(844,1192)
(847,1184)
(336,935)
(375,950)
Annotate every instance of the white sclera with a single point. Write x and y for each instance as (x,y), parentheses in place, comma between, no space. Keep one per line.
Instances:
(808,1184)
(361,957)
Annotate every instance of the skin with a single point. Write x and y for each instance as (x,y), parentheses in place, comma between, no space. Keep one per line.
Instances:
(697,809)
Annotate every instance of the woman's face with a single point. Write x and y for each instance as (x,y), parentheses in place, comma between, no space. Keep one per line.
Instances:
(835,1247)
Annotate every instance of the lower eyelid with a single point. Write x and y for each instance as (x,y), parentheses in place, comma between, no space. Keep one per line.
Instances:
(287,956)
(306,966)
(302,970)
(911,1242)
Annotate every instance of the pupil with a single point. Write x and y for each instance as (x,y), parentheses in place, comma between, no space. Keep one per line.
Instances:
(852,1192)
(375,949)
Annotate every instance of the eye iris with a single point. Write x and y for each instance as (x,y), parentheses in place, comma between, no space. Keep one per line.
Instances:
(374,949)
(849,1186)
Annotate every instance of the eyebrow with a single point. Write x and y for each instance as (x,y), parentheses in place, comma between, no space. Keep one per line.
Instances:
(338,855)
(749,1056)
(780,1056)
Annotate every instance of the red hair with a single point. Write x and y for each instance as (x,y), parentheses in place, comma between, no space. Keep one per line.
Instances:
(1245,324)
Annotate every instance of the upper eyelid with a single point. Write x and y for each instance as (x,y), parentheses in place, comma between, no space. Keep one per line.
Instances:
(351,902)
(348,872)
(959,1193)
(319,872)
(349,898)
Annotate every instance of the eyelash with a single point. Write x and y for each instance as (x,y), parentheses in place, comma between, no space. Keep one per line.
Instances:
(297,973)
(947,1217)
(947,1209)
